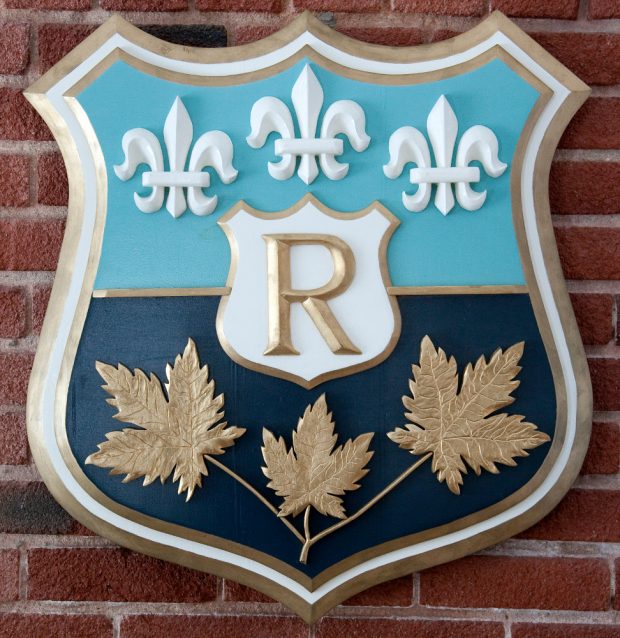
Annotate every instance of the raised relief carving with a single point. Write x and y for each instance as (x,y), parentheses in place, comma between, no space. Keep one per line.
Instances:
(478,143)
(282,293)
(185,430)
(213,149)
(270,114)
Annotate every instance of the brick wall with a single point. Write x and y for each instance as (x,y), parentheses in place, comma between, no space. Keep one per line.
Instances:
(558,579)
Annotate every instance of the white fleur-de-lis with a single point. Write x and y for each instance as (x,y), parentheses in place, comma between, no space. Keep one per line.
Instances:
(270,114)
(213,149)
(478,143)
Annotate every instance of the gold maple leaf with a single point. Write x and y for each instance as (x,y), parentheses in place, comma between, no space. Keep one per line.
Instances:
(175,433)
(459,426)
(312,472)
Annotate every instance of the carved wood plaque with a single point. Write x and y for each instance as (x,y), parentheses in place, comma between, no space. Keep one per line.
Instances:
(309,329)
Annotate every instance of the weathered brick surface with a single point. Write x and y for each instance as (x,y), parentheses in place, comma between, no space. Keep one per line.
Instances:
(594,125)
(582,515)
(589,252)
(566,9)
(272,6)
(56,40)
(603,455)
(360,6)
(13,315)
(406,627)
(397,592)
(446,7)
(113,574)
(518,582)
(14,180)
(594,57)
(571,187)
(28,508)
(594,314)
(564,630)
(52,180)
(212,626)
(55,626)
(9,574)
(30,244)
(605,373)
(14,47)
(13,440)
(14,381)
(598,9)
(70,5)
(388,36)
(18,120)
(144,5)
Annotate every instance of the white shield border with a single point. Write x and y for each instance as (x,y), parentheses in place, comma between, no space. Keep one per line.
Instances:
(52,96)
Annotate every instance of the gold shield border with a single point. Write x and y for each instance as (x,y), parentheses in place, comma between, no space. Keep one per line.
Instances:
(496,22)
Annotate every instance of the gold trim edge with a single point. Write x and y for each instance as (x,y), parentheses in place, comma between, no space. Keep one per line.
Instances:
(221,291)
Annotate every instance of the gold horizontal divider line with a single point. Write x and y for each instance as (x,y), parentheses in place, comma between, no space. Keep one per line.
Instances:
(161,292)
(458,290)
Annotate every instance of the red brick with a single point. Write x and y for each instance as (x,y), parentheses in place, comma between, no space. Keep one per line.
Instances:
(582,515)
(605,373)
(52,177)
(406,628)
(49,5)
(13,439)
(395,593)
(589,252)
(617,570)
(395,37)
(19,120)
(14,180)
(444,7)
(9,574)
(14,47)
(56,626)
(594,125)
(29,508)
(585,187)
(103,574)
(271,6)
(212,627)
(359,6)
(40,299)
(14,378)
(243,35)
(518,582)
(594,57)
(56,40)
(561,630)
(603,9)
(144,5)
(240,593)
(13,314)
(603,455)
(443,34)
(29,244)
(594,314)
(566,9)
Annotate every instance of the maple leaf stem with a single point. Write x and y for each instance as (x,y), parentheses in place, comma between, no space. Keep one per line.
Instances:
(349,519)
(256,493)
(303,557)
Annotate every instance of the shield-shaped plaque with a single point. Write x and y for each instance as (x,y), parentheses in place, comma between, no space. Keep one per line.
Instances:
(309,329)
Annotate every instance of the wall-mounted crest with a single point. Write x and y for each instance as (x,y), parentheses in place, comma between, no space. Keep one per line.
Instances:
(309,385)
